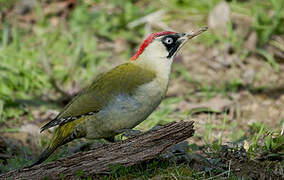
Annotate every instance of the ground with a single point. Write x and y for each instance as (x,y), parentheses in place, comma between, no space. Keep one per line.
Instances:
(229,80)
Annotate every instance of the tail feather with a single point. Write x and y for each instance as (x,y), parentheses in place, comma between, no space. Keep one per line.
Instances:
(63,135)
(43,156)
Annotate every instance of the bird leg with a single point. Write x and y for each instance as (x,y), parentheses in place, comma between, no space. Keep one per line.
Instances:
(130,133)
(110,139)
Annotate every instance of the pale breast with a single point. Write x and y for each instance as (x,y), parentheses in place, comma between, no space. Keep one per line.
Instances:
(126,111)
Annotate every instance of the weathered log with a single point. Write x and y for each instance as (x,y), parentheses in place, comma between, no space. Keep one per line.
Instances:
(132,151)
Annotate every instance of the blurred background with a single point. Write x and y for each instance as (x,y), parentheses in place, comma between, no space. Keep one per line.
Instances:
(229,80)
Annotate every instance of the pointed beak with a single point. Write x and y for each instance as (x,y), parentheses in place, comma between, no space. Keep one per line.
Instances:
(193,34)
(182,39)
(186,36)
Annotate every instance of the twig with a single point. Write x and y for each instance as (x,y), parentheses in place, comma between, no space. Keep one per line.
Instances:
(230,162)
(151,17)
(1,108)
(221,174)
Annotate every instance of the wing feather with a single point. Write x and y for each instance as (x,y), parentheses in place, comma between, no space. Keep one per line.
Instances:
(123,79)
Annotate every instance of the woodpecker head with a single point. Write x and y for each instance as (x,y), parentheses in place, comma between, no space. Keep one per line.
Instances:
(163,46)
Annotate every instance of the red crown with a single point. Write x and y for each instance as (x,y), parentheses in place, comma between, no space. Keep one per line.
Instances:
(147,42)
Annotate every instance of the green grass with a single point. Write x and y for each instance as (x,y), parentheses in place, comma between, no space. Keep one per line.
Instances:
(75,47)
(50,51)
(33,60)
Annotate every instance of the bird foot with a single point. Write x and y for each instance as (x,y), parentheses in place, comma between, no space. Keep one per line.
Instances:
(127,133)
(156,127)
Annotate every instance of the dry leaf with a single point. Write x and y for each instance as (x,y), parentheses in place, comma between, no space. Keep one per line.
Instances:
(251,42)
(31,129)
(120,45)
(179,87)
(216,104)
(24,6)
(248,76)
(219,17)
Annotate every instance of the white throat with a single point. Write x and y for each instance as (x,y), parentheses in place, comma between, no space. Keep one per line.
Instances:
(155,58)
(160,65)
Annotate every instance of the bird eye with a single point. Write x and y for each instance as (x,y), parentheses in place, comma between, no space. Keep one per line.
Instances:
(168,40)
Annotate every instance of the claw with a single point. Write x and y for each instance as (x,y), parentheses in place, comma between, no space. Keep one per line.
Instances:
(127,133)
(156,127)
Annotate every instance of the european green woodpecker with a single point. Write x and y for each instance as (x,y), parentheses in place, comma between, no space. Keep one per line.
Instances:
(121,98)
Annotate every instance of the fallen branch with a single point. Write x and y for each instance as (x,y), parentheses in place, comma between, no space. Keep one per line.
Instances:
(132,151)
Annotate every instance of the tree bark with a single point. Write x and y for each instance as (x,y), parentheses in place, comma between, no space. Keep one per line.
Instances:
(132,151)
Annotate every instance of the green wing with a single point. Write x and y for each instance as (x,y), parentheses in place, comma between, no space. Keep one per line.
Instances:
(123,79)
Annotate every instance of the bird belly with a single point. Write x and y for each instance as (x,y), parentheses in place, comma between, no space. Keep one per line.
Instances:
(125,111)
